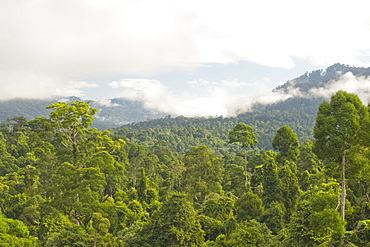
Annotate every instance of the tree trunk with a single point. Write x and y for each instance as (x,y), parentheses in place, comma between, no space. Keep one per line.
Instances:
(245,168)
(344,190)
(344,193)
(95,238)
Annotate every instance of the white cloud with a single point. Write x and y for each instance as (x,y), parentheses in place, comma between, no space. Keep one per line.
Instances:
(147,36)
(106,102)
(226,83)
(31,84)
(153,93)
(358,85)
(219,98)
(201,82)
(216,100)
(233,83)
(68,40)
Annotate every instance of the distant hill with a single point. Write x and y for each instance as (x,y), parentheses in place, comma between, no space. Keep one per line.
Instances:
(113,113)
(121,111)
(320,78)
(298,112)
(23,107)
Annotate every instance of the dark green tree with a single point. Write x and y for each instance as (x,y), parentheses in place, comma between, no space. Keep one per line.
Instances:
(270,179)
(15,233)
(69,129)
(316,221)
(309,166)
(249,234)
(76,192)
(248,206)
(7,161)
(274,217)
(71,235)
(286,142)
(203,174)
(342,127)
(218,207)
(289,189)
(244,135)
(174,224)
(234,179)
(361,234)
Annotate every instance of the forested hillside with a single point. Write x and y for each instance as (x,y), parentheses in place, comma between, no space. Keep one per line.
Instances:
(320,78)
(112,113)
(182,133)
(64,183)
(297,111)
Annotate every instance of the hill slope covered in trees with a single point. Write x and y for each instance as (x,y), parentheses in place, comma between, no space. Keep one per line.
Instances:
(298,112)
(118,112)
(112,113)
(64,183)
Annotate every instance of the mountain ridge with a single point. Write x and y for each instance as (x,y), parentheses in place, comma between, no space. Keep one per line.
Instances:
(320,77)
(298,111)
(119,112)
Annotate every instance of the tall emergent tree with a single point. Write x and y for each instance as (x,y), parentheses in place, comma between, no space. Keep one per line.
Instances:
(84,173)
(342,126)
(243,134)
(203,174)
(286,141)
(69,130)
(175,223)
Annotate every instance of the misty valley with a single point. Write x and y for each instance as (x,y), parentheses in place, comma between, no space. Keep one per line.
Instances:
(293,172)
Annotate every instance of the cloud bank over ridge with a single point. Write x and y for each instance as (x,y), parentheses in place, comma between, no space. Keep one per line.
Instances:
(215,102)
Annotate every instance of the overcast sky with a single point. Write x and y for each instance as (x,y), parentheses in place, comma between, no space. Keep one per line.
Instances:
(189,57)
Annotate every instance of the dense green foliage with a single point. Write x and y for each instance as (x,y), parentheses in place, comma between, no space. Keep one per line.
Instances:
(64,183)
(181,133)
